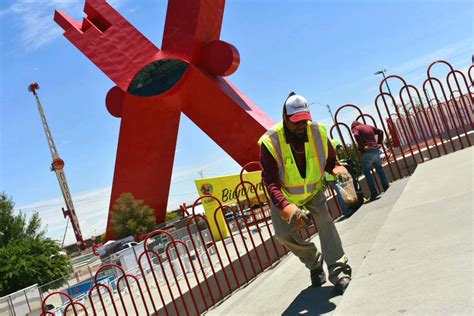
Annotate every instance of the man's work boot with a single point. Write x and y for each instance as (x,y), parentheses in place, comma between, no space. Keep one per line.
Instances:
(318,277)
(373,198)
(342,285)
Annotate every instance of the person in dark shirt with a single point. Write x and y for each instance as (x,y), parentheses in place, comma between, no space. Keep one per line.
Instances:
(369,141)
(294,155)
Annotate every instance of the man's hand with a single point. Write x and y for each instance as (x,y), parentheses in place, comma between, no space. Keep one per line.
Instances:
(292,214)
(341,172)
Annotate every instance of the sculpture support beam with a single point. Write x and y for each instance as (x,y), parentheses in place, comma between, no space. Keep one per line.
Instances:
(154,86)
(145,154)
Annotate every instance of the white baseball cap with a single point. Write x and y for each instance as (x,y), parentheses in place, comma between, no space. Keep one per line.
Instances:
(297,109)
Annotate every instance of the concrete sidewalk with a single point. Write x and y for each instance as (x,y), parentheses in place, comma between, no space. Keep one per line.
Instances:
(411,253)
(421,262)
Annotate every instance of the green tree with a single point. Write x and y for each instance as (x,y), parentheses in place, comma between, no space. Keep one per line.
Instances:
(15,227)
(101,238)
(172,215)
(27,257)
(131,217)
(29,261)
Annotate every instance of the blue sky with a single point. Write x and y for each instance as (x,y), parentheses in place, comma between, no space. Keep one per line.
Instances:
(324,50)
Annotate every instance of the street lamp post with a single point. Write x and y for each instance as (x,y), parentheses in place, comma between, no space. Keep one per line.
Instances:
(382,72)
(329,110)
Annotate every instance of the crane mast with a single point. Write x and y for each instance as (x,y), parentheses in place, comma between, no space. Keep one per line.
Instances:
(57,165)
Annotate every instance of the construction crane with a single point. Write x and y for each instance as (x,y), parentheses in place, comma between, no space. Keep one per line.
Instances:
(58,167)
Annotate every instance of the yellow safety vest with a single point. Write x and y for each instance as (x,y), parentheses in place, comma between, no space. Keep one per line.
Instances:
(296,189)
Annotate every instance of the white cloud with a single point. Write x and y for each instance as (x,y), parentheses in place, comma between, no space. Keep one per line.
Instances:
(414,71)
(35,18)
(91,209)
(451,53)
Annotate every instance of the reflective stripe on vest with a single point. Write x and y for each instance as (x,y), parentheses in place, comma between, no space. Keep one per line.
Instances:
(312,186)
(318,142)
(276,142)
(295,190)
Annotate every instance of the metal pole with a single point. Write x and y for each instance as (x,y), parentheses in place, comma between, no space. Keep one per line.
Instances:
(90,271)
(27,302)
(386,82)
(65,231)
(11,305)
(330,112)
(135,254)
(382,72)
(329,109)
(334,121)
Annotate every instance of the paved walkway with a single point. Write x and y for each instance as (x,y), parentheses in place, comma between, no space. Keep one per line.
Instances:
(411,253)
(421,262)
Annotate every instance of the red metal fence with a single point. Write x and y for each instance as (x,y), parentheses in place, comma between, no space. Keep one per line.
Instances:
(428,123)
(419,126)
(189,275)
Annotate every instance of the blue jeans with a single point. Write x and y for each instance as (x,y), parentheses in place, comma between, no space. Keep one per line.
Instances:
(346,211)
(371,158)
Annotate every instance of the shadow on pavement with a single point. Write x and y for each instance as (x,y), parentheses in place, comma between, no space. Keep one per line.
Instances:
(312,301)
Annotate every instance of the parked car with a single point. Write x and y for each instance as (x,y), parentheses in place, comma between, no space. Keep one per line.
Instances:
(129,245)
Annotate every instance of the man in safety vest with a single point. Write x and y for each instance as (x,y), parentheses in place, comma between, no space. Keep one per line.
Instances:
(294,155)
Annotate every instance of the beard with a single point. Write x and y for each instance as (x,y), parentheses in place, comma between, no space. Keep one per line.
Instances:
(299,136)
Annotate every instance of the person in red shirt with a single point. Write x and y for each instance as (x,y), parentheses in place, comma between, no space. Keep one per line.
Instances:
(292,141)
(369,141)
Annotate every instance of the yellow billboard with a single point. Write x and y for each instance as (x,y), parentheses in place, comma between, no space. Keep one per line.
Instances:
(226,191)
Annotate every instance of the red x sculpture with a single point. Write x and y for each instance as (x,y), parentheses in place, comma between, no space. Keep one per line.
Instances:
(154,86)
